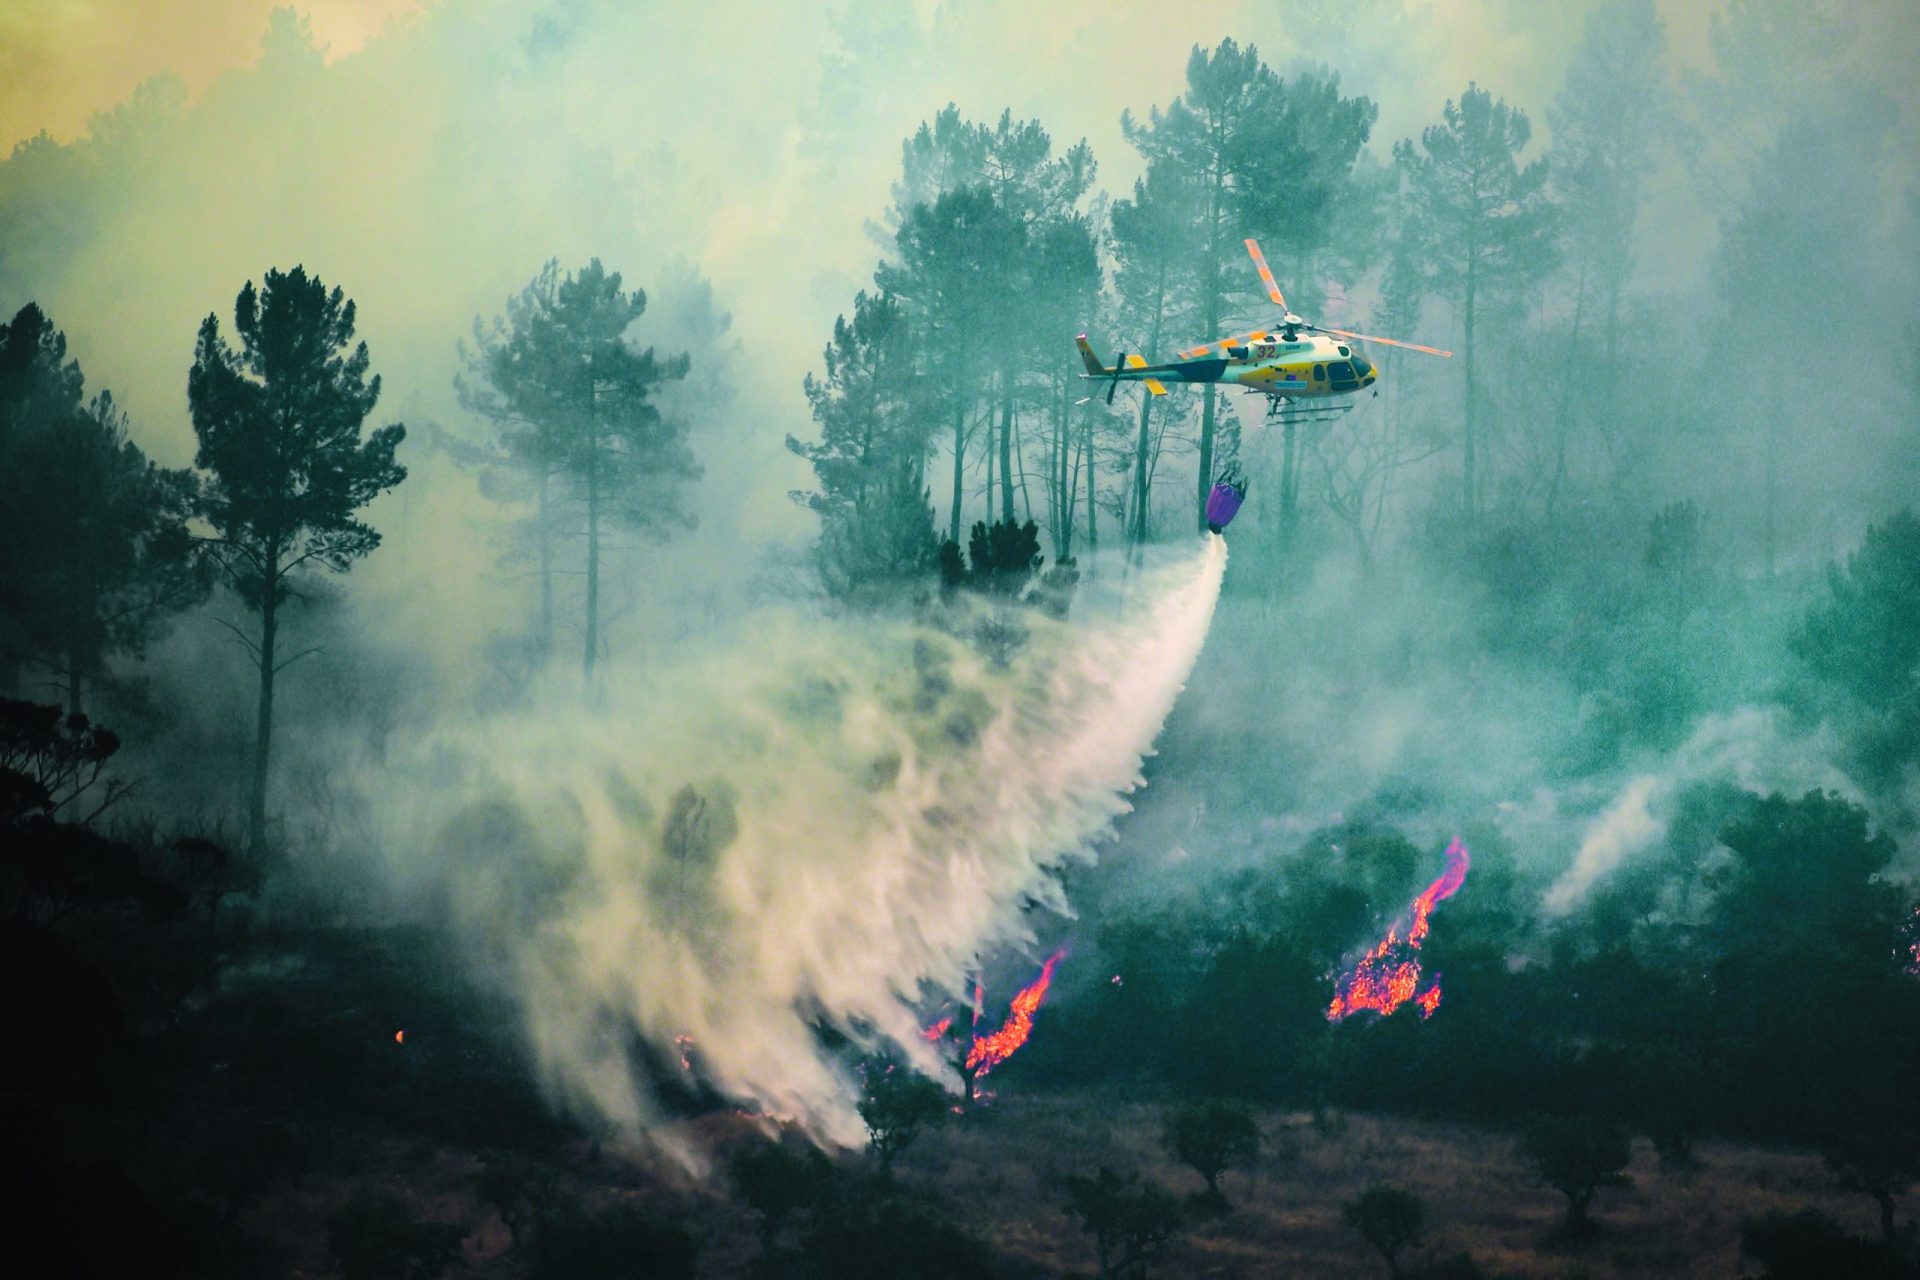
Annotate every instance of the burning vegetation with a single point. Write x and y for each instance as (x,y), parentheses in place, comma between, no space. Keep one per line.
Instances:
(1388,976)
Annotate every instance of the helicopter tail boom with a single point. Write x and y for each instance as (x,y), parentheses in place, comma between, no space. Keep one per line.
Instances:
(1132,368)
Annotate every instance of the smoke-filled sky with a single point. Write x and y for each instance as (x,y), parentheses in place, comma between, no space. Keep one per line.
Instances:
(731,158)
(757,153)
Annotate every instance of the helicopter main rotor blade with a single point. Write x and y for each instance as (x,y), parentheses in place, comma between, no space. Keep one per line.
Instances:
(1253,335)
(1266,275)
(1391,342)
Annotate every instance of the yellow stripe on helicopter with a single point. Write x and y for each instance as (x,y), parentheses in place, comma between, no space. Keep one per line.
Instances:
(1153,384)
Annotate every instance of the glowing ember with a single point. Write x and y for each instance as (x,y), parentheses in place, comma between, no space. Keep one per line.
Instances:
(400,1036)
(990,1051)
(686,1046)
(1913,943)
(1389,975)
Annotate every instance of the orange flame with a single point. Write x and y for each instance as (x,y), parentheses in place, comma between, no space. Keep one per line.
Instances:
(1389,975)
(989,1051)
(938,1029)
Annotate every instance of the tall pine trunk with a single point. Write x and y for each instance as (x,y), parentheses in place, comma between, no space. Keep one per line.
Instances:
(263,725)
(1006,446)
(1206,455)
(593,531)
(1137,533)
(1468,476)
(1211,321)
(959,471)
(1093,526)
(1563,416)
(543,540)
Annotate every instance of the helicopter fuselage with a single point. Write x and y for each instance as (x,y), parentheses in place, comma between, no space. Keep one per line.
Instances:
(1309,365)
(1306,366)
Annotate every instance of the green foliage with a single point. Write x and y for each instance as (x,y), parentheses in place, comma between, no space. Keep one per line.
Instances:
(1607,123)
(1491,216)
(1863,640)
(575,404)
(1865,636)
(377,1236)
(1879,1155)
(1211,1137)
(864,407)
(1389,1219)
(1490,224)
(1674,539)
(1003,557)
(1254,154)
(278,424)
(94,549)
(896,1103)
(1130,1221)
(1804,880)
(882,546)
(1577,1155)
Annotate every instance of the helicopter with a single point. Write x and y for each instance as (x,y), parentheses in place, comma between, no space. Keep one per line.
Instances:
(1290,362)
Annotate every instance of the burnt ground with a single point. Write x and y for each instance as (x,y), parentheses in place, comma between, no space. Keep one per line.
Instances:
(998,1174)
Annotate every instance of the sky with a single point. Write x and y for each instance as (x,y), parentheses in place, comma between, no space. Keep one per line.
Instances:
(63,60)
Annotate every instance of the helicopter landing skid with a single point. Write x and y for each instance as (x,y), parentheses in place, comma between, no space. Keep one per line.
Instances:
(1288,411)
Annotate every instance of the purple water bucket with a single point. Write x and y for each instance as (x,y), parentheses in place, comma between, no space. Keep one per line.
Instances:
(1223,503)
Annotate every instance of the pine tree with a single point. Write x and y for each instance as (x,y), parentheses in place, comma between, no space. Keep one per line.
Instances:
(1155,279)
(94,549)
(876,522)
(1268,158)
(1492,225)
(279,427)
(503,384)
(575,404)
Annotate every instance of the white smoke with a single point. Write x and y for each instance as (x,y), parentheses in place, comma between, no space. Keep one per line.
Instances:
(826,824)
(1746,747)
(1626,826)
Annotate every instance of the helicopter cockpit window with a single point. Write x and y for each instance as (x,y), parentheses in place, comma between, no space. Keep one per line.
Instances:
(1319,373)
(1340,371)
(1345,352)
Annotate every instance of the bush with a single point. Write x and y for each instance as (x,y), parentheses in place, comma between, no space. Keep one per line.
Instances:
(1130,1221)
(1578,1155)
(1211,1136)
(896,1104)
(1389,1219)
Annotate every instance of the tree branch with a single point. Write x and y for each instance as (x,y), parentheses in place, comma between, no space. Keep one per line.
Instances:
(295,658)
(251,647)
